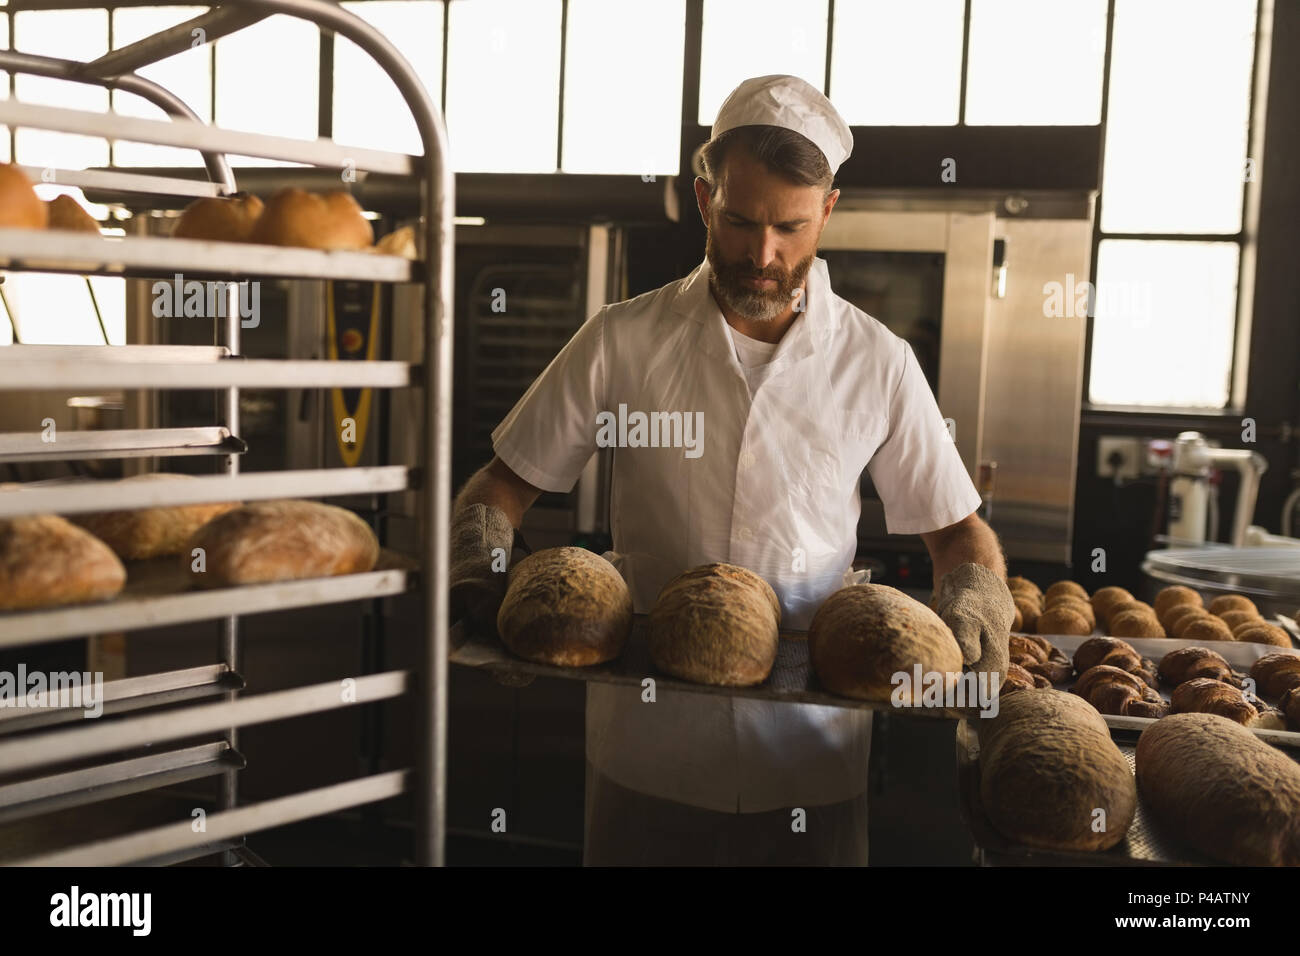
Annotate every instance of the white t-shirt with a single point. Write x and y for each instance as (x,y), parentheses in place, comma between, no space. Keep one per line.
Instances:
(768,481)
(754,356)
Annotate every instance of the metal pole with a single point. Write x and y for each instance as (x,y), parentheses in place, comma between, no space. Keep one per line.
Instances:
(435,465)
(205,28)
(228,643)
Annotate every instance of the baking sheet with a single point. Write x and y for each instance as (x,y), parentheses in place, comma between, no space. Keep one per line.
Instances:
(792,679)
(1240,656)
(1143,845)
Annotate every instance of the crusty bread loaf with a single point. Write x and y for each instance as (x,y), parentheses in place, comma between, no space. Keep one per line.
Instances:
(220,218)
(1217,787)
(281,541)
(294,217)
(20,207)
(565,606)
(1047,767)
(716,624)
(142,533)
(46,561)
(66,213)
(864,634)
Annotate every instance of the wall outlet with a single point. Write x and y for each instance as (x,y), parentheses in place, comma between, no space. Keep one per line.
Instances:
(1119,457)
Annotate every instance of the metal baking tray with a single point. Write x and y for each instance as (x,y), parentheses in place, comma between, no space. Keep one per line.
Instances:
(792,679)
(1143,844)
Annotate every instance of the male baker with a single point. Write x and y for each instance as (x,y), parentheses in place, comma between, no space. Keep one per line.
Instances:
(799,390)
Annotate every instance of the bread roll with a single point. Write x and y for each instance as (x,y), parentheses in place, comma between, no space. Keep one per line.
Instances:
(1290,705)
(220,219)
(1029,610)
(1176,613)
(143,533)
(1232,602)
(66,213)
(1262,632)
(1135,623)
(1206,629)
(46,561)
(1016,583)
(1235,619)
(294,217)
(1047,766)
(1065,588)
(716,624)
(20,207)
(565,606)
(1081,607)
(1063,620)
(1105,598)
(281,541)
(865,634)
(1215,786)
(1180,626)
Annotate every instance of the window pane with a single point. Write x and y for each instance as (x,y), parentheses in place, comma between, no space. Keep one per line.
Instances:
(622,102)
(368,110)
(71,35)
(1036,63)
(896,64)
(503,85)
(1176,120)
(1165,322)
(277,94)
(744,38)
(53,309)
(188,75)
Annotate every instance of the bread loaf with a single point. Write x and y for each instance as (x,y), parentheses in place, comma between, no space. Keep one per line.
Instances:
(1217,787)
(220,219)
(1050,775)
(66,213)
(46,561)
(1135,623)
(865,634)
(1172,596)
(1232,602)
(1103,599)
(1207,628)
(1061,619)
(294,217)
(143,533)
(1065,589)
(565,606)
(1262,632)
(1028,608)
(281,541)
(20,207)
(1078,605)
(1177,612)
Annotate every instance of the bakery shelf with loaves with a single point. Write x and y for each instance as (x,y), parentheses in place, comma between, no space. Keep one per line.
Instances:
(100,556)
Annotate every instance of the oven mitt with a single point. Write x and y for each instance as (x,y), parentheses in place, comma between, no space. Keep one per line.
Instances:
(975,604)
(476,588)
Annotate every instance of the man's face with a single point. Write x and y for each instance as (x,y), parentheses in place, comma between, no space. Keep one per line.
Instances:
(762,235)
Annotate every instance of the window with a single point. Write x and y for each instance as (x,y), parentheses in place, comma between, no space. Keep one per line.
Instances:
(1175,170)
(74,35)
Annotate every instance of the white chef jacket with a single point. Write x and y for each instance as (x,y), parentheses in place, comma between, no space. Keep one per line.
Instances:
(774,488)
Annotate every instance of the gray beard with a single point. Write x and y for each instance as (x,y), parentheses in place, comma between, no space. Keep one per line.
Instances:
(751,306)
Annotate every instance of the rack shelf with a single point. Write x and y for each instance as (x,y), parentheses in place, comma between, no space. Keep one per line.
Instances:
(120,443)
(109,372)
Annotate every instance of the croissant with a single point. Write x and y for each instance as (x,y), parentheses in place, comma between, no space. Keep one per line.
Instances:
(1115,691)
(1038,656)
(1205,695)
(1189,663)
(1291,706)
(1020,679)
(1115,653)
(1275,674)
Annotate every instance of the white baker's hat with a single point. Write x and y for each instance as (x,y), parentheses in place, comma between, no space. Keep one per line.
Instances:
(787,101)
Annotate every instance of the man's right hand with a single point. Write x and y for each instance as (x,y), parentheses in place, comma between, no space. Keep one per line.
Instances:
(481,541)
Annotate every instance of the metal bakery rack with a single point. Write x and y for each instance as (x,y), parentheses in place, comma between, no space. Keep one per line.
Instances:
(90,772)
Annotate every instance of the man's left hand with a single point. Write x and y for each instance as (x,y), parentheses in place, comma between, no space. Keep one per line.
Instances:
(975,604)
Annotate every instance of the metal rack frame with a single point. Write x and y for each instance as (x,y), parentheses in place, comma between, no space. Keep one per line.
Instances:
(222,368)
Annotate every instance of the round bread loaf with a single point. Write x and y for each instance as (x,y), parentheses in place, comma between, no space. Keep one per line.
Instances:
(1135,623)
(865,634)
(332,220)
(46,561)
(1077,605)
(1029,609)
(1217,787)
(1174,595)
(716,624)
(1179,611)
(1119,607)
(220,218)
(1261,632)
(267,541)
(1016,583)
(1232,602)
(1182,622)
(20,207)
(1103,599)
(1063,620)
(1047,767)
(565,606)
(66,213)
(1065,588)
(1206,629)
(143,533)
